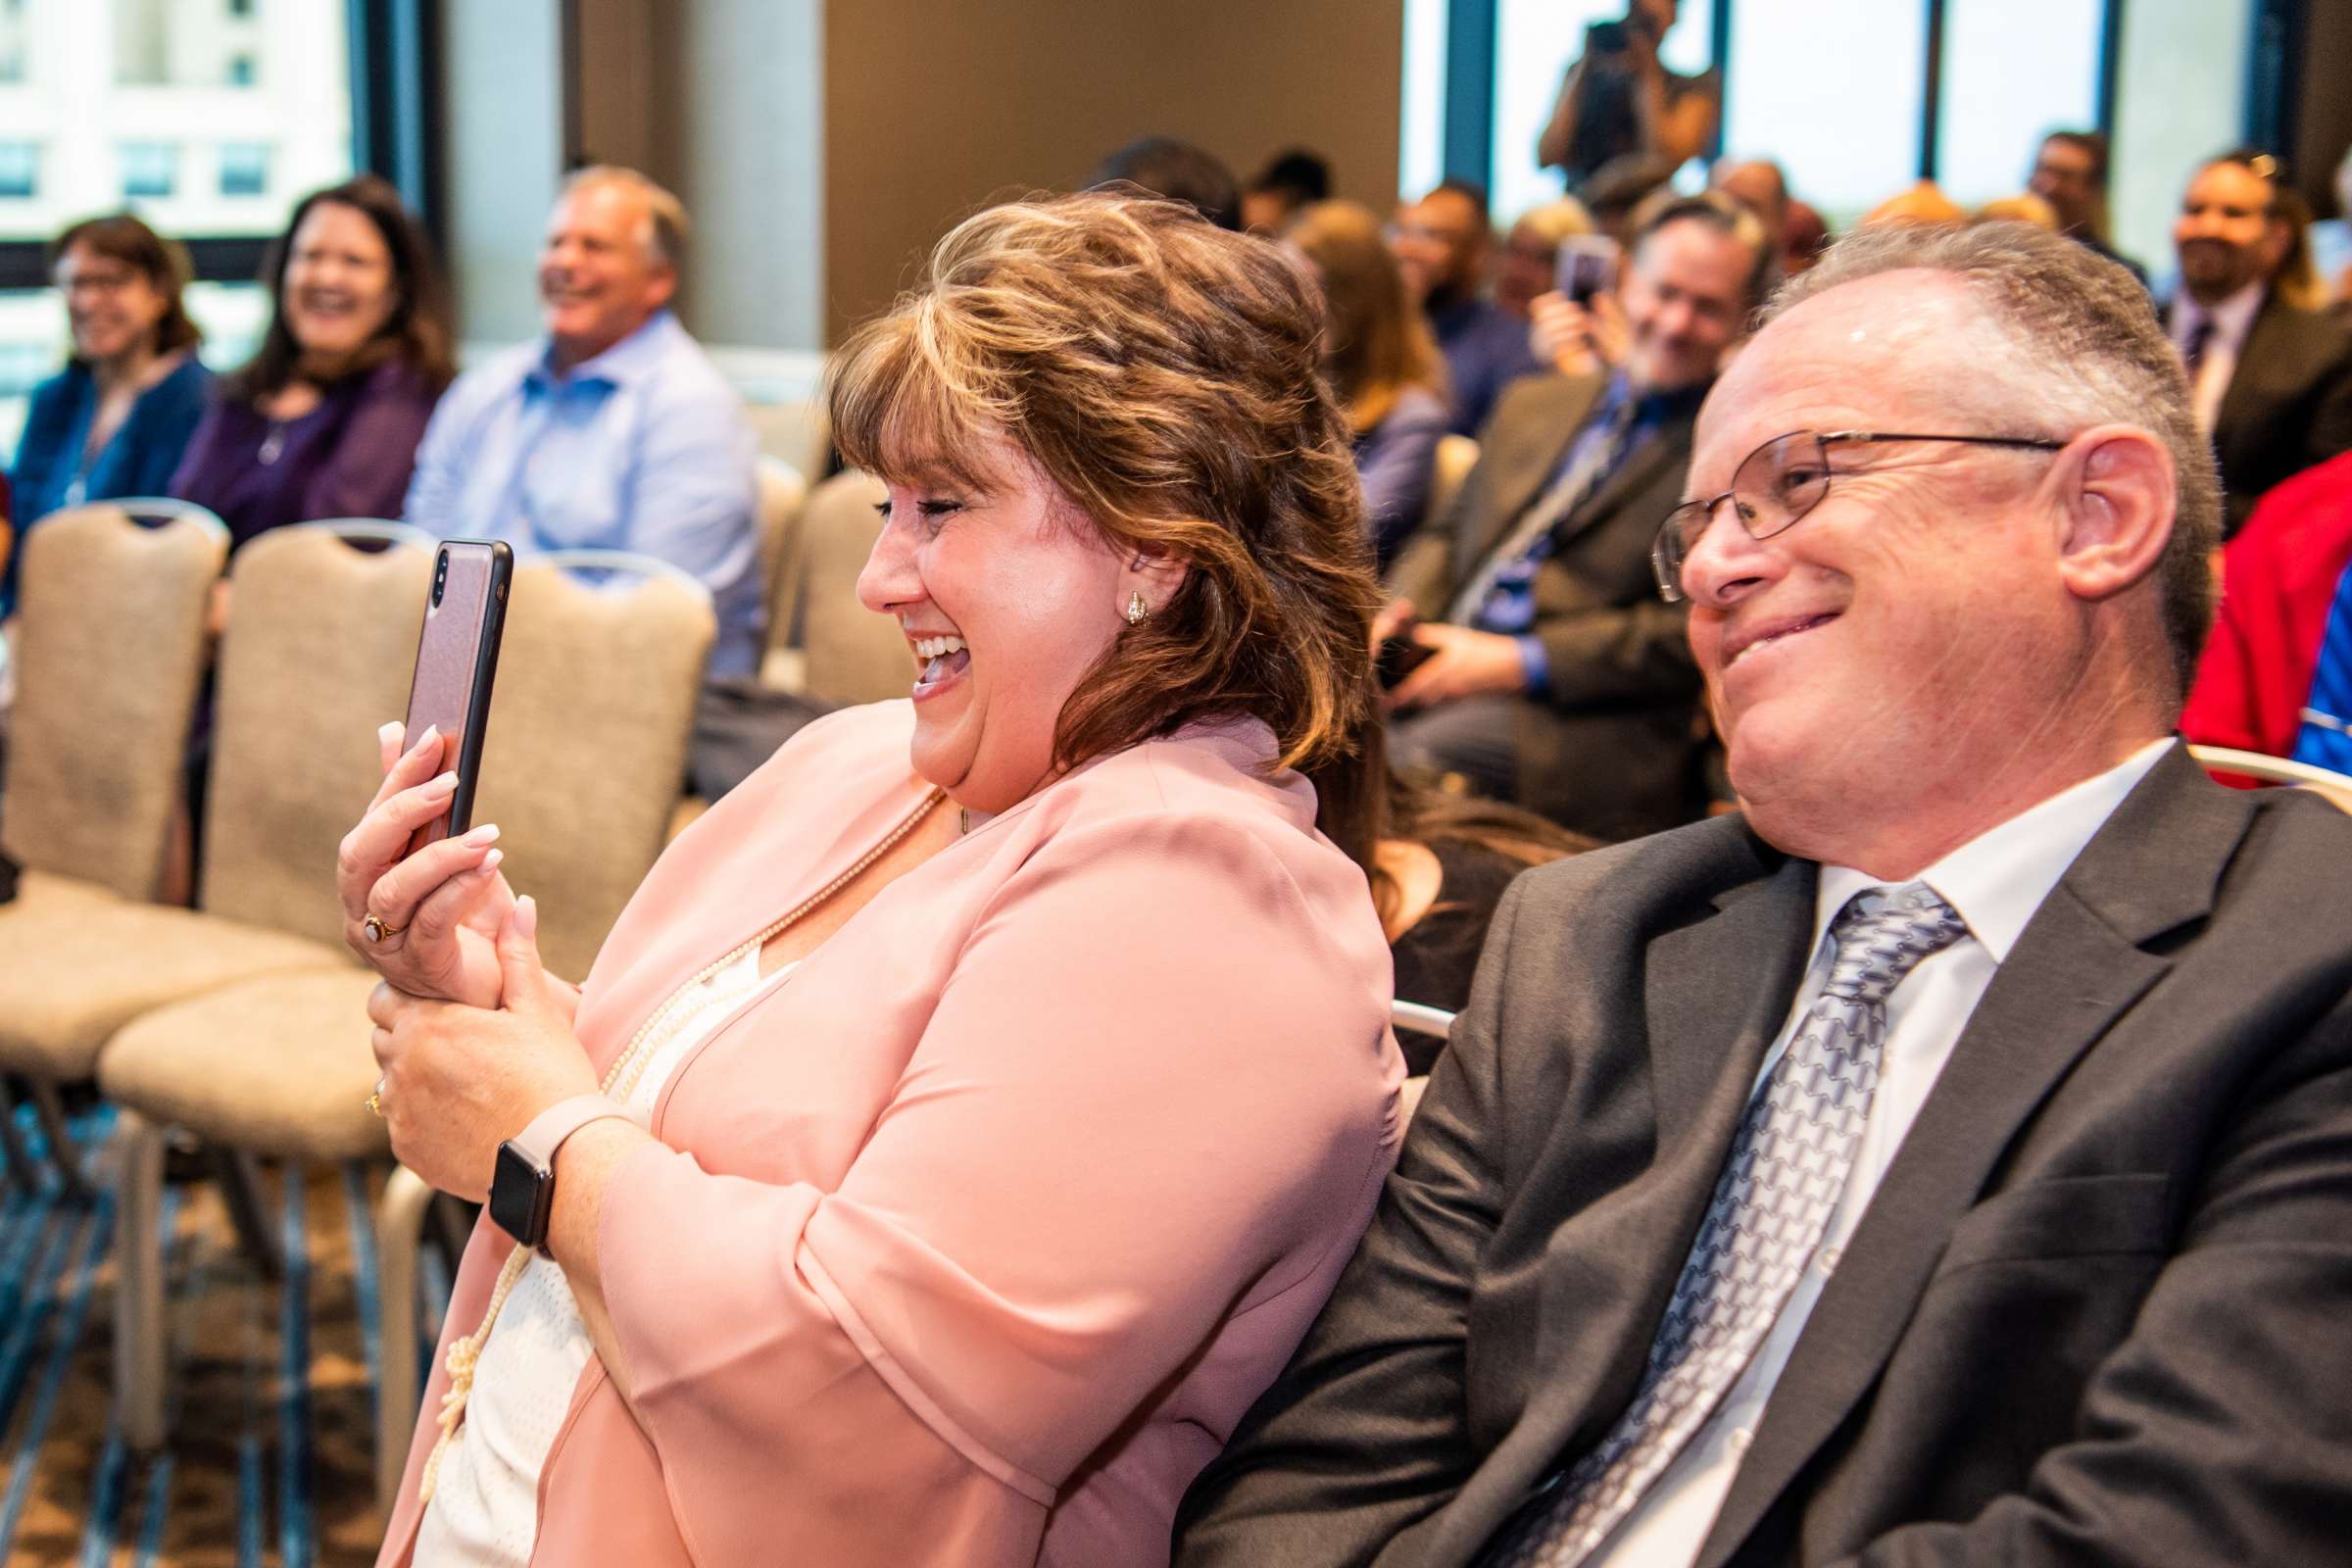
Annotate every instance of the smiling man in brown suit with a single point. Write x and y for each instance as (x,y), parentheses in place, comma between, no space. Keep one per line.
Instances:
(1558,679)
(1946,1161)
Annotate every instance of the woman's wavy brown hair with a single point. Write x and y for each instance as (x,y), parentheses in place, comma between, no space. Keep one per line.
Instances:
(1376,342)
(1162,374)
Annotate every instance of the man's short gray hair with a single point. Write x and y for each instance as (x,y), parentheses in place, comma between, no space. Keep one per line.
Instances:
(665,243)
(2089,350)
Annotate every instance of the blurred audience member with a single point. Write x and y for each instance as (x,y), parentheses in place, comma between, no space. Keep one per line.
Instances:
(1530,253)
(2331,242)
(1293,179)
(2270,375)
(325,421)
(1381,360)
(1756,184)
(1161,165)
(1806,237)
(613,430)
(1620,108)
(115,419)
(1923,203)
(2025,209)
(2286,595)
(2070,172)
(1442,241)
(1557,678)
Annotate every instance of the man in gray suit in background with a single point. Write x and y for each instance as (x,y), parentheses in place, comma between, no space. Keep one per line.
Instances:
(1946,1161)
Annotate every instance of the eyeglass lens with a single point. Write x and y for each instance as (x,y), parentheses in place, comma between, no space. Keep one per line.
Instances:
(1774,486)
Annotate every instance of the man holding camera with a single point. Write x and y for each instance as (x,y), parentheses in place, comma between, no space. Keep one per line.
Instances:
(1552,674)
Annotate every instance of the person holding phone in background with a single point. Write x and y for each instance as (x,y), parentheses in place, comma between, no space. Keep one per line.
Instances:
(1555,677)
(959,1235)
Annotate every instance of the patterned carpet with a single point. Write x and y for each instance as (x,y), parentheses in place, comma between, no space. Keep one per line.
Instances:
(274,1381)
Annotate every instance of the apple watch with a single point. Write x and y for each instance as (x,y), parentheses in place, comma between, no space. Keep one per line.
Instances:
(523,1188)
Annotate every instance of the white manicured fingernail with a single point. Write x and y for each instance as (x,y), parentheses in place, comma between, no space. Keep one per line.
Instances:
(447,781)
(487,833)
(490,861)
(387,733)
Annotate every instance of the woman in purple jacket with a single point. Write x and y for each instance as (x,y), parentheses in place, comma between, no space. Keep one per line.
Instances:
(325,421)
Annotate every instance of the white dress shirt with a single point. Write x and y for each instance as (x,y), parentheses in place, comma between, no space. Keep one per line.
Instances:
(2233,318)
(1995,882)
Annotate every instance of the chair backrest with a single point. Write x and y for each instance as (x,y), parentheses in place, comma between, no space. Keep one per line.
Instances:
(319,649)
(853,655)
(783,493)
(584,758)
(793,429)
(110,650)
(1458,455)
(2335,787)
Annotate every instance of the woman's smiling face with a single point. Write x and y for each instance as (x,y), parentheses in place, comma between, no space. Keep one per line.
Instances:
(1007,595)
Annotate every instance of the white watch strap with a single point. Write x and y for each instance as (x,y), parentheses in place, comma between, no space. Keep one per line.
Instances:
(558,1121)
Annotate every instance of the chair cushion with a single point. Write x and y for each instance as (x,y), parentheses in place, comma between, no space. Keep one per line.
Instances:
(77,963)
(278,1065)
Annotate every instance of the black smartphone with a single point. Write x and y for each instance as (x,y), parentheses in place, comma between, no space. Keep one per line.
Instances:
(1588,266)
(1399,656)
(457,658)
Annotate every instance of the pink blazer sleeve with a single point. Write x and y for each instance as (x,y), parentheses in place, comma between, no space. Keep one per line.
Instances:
(1152,1081)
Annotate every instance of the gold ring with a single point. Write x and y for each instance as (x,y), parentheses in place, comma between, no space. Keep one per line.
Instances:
(377,930)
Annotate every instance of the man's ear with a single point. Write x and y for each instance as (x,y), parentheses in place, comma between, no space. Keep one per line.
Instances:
(2119,496)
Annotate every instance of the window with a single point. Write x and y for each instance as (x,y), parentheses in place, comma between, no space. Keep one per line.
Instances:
(239,72)
(2180,98)
(19,171)
(1535,40)
(2000,95)
(244,168)
(1836,96)
(150,169)
(240,8)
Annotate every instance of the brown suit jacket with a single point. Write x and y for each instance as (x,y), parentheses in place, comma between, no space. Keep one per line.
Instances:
(2097,1311)
(2288,406)
(1610,748)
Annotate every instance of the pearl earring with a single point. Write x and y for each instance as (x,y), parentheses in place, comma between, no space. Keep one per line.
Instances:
(1136,611)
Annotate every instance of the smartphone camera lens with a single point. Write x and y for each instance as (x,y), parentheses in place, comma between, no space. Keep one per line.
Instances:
(440,575)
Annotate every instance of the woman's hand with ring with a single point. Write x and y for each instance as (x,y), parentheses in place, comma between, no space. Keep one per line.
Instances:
(460,1080)
(428,922)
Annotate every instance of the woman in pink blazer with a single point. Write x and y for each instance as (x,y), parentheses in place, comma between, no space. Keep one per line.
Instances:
(970,1113)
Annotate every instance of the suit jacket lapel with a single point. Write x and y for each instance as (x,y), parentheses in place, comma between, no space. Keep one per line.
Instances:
(2077,966)
(2269,341)
(1553,416)
(1669,446)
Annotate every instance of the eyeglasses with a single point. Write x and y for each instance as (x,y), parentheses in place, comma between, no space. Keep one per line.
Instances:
(1776,485)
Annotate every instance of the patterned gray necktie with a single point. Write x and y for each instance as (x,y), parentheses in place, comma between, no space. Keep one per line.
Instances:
(1781,1183)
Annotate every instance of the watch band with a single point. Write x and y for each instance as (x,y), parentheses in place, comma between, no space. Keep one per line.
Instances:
(547,1131)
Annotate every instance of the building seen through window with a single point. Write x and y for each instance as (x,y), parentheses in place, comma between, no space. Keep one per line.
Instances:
(207,117)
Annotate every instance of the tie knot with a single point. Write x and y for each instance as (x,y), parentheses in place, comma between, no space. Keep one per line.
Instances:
(1883,933)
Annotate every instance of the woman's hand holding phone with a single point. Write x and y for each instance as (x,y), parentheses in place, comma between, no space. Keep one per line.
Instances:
(439,909)
(1589,339)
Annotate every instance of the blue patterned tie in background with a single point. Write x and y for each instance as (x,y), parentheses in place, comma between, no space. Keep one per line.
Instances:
(1781,1182)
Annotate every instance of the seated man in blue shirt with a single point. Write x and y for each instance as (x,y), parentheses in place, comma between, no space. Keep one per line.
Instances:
(613,432)
(1557,677)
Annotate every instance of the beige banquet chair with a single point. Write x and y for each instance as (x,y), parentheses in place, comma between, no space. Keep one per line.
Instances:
(109,653)
(852,654)
(582,760)
(1413,1018)
(783,496)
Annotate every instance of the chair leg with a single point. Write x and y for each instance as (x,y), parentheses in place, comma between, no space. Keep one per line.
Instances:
(51,1109)
(140,1340)
(24,1172)
(239,1176)
(399,1232)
